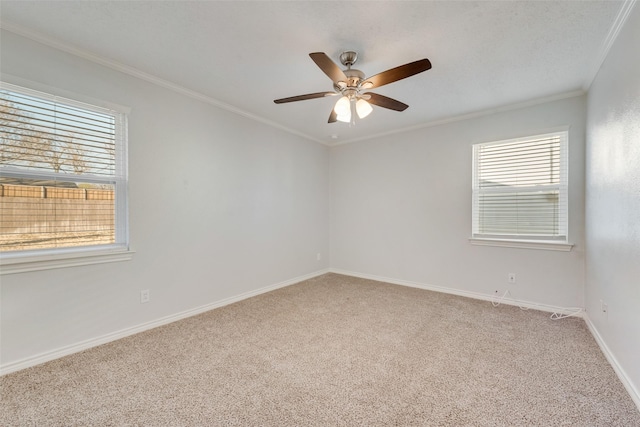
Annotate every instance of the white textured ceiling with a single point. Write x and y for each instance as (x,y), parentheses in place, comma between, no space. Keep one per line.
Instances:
(246,54)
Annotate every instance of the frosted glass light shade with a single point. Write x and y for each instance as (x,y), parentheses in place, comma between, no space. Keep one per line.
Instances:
(363,108)
(346,118)
(343,107)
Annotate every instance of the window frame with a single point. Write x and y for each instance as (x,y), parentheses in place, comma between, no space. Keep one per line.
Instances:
(50,258)
(545,242)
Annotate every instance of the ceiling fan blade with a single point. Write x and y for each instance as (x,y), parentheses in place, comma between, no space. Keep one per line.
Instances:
(329,67)
(386,102)
(333,117)
(398,73)
(304,97)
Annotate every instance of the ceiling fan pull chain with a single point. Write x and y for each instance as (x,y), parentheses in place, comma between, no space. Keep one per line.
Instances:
(353,112)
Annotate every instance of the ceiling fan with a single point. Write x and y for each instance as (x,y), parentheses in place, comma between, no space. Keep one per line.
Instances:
(354,87)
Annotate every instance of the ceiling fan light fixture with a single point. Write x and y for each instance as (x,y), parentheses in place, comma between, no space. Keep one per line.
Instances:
(343,107)
(363,108)
(345,118)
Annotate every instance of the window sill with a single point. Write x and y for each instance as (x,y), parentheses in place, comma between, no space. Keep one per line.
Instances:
(523,244)
(23,264)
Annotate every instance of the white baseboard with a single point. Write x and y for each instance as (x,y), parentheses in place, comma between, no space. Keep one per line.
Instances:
(626,381)
(94,342)
(468,294)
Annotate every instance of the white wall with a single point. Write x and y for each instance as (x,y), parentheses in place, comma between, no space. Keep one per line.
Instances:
(401,209)
(613,202)
(220,205)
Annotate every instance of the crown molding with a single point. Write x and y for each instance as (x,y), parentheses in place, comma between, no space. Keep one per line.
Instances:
(621,18)
(618,24)
(473,115)
(114,65)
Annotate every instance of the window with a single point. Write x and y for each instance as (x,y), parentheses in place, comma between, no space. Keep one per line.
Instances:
(63,175)
(520,189)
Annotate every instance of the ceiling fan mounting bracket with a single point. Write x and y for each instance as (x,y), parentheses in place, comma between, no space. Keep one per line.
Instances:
(348,58)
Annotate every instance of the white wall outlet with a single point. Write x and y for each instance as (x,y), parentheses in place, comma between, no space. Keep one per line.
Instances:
(604,308)
(318,256)
(145,296)
(511,278)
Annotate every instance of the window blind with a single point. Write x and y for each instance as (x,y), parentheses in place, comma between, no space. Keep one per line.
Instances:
(62,172)
(520,188)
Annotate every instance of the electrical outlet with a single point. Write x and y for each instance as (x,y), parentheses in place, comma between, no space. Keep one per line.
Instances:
(318,256)
(145,296)
(511,278)
(604,308)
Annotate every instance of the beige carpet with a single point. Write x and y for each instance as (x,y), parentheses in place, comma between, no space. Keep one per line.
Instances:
(333,351)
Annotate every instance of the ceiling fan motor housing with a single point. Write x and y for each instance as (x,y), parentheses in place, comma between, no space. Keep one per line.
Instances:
(351,87)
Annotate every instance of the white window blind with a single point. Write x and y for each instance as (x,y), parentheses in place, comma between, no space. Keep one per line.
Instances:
(63,174)
(520,188)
